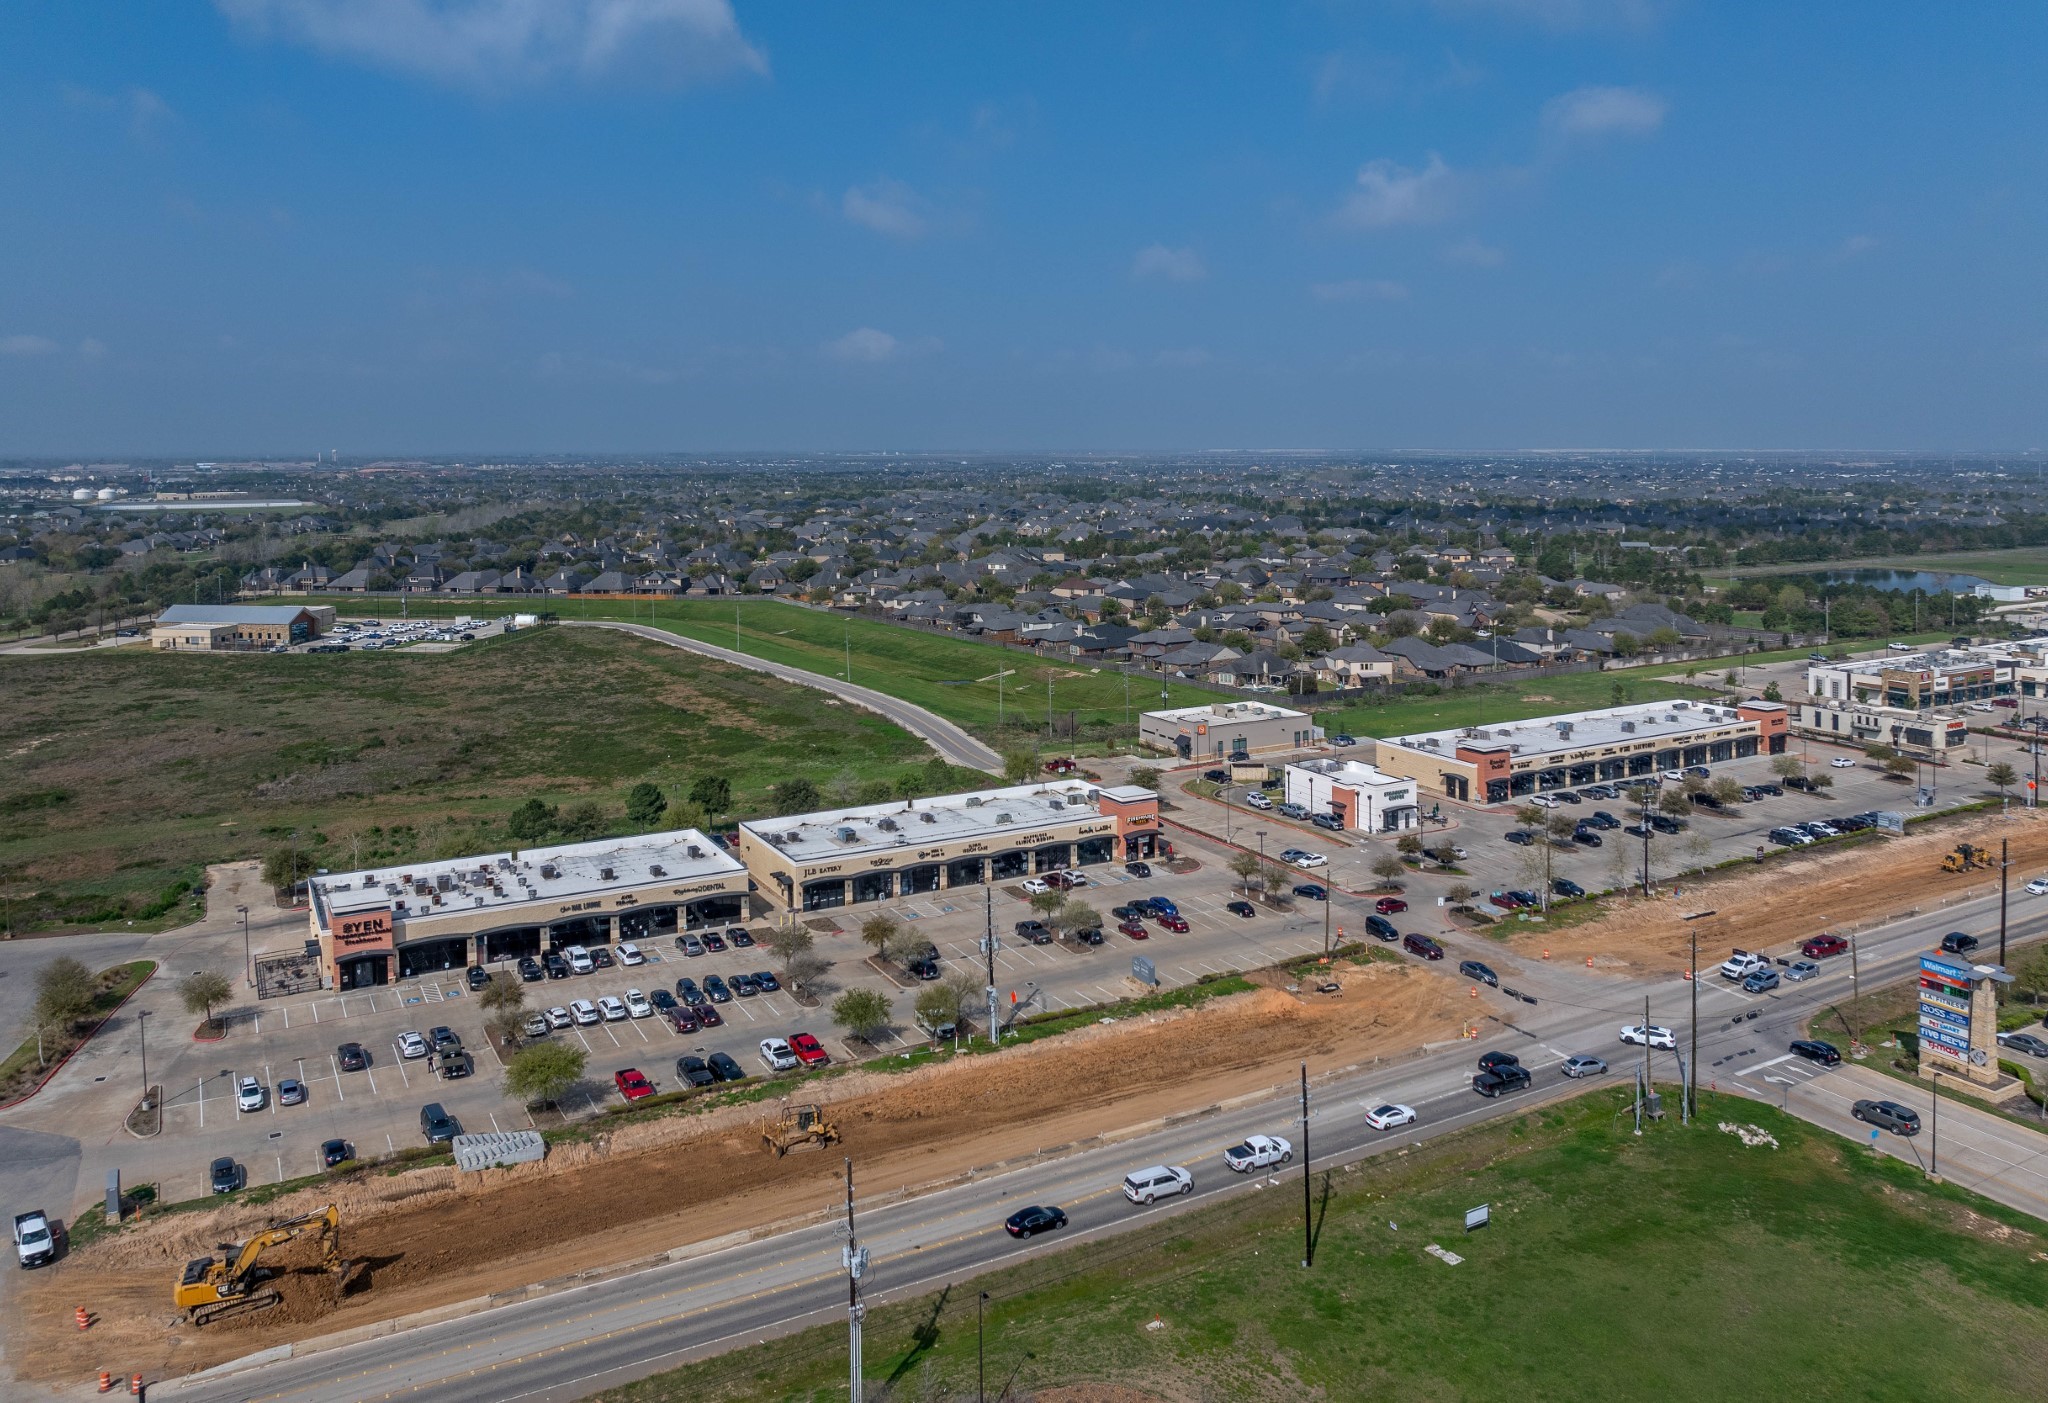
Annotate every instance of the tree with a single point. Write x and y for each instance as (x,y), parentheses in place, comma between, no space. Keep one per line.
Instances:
(1728,791)
(1674,802)
(506,1024)
(1388,869)
(1693,784)
(1274,880)
(1145,777)
(287,867)
(1879,751)
(1900,765)
(2004,776)
(1786,766)
(1409,844)
(645,804)
(938,776)
(1047,902)
(936,1005)
(1821,779)
(1444,855)
(503,992)
(1078,915)
(879,929)
(906,946)
(862,1013)
(1019,765)
(64,990)
(1458,893)
(202,991)
(1245,865)
(1529,816)
(541,1072)
(796,795)
(531,821)
(802,971)
(787,942)
(712,794)
(1773,692)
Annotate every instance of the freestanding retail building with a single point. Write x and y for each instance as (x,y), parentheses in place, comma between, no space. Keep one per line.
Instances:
(1227,728)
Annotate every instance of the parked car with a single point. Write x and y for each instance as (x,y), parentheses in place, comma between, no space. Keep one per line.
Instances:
(1841,762)
(1029,1222)
(1037,886)
(1138,869)
(739,937)
(1240,908)
(1147,1185)
(2028,1043)
(631,954)
(690,945)
(1257,800)
(613,1009)
(443,1038)
(437,1125)
(808,1050)
(724,1068)
(767,981)
(632,1083)
(1390,1115)
(1311,860)
(1341,739)
(351,1057)
(556,966)
(535,1026)
(559,1017)
(1543,801)
(478,977)
(1257,1152)
(584,1012)
(1814,1050)
(1422,945)
(715,990)
(224,1175)
(637,1004)
(1388,905)
(1587,838)
(1583,1064)
(688,992)
(411,1045)
(530,970)
(1177,924)
(1473,969)
(1216,776)
(778,1055)
(290,1091)
(1637,1034)
(333,1152)
(1134,929)
(1888,1115)
(1565,887)
(1293,811)
(600,957)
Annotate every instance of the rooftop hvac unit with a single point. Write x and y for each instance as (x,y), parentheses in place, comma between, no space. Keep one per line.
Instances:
(1629,726)
(847,834)
(1005,818)
(887,825)
(605,874)
(974,802)
(549,871)
(928,816)
(655,869)
(793,836)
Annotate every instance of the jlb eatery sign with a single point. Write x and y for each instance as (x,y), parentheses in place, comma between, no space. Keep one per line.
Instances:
(363,930)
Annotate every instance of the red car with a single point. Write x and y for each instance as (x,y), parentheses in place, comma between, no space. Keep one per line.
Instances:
(1388,905)
(2005,701)
(808,1050)
(1060,767)
(1506,901)
(632,1084)
(1819,947)
(1135,930)
(1176,924)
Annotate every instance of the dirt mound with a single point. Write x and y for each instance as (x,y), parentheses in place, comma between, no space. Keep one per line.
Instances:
(1096,1393)
(1793,896)
(429,1237)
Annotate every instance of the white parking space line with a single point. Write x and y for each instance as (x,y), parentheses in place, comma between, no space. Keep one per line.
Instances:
(202,1104)
(371,1073)
(286,1011)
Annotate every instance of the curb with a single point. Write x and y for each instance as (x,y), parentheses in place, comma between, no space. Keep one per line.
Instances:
(90,1034)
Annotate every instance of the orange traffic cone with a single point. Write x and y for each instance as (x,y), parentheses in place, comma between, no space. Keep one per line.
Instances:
(135,1386)
(1546,954)
(81,1317)
(1475,991)
(106,1381)
(1589,962)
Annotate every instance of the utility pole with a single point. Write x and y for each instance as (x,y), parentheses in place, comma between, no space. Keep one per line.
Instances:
(1048,701)
(980,1358)
(1691,1088)
(855,1259)
(1644,823)
(142,1033)
(2004,867)
(1934,1149)
(1326,923)
(988,946)
(1643,1094)
(735,626)
(1308,1238)
(846,636)
(248,962)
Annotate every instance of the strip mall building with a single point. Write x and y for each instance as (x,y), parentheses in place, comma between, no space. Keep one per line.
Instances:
(391,923)
(1498,764)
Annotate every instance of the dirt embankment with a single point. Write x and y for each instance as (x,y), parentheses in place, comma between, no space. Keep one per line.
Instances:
(1779,903)
(430,1237)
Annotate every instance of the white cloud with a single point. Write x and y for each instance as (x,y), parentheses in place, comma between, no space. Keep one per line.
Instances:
(1390,195)
(1471,253)
(868,346)
(888,207)
(1360,290)
(25,345)
(490,43)
(1598,111)
(147,113)
(1180,265)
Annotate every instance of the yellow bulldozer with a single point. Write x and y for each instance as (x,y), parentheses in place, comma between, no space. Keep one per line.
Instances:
(236,1282)
(800,1128)
(1966,857)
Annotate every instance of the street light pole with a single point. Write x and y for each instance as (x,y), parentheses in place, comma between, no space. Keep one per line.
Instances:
(142,1033)
(980,1357)
(248,961)
(1308,1237)
(1934,1149)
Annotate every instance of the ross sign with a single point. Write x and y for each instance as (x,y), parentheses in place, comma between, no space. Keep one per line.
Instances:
(1143,972)
(1477,1217)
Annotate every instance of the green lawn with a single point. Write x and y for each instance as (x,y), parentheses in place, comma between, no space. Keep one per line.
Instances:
(1492,703)
(1679,1265)
(128,769)
(946,674)
(2027,565)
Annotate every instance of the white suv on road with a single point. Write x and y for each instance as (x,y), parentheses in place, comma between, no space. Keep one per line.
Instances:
(1157,1182)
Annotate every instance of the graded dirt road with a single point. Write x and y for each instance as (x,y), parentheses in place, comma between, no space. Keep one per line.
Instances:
(432,1237)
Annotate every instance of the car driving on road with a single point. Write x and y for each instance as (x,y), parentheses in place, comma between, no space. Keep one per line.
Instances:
(1028,1222)
(1390,1115)
(1888,1115)
(1814,1050)
(1473,969)
(1148,1185)
(1636,1034)
(1257,1152)
(1583,1064)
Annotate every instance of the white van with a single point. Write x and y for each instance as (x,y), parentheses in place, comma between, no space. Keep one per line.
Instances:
(579,960)
(1157,1182)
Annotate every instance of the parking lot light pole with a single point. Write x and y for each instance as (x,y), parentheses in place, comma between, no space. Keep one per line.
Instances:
(1934,1149)
(248,962)
(142,1033)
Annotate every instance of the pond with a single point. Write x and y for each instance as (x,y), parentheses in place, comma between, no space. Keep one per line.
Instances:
(1905,581)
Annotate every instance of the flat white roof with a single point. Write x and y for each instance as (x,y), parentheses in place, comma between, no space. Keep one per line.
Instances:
(1578,730)
(558,873)
(1227,711)
(1349,772)
(831,833)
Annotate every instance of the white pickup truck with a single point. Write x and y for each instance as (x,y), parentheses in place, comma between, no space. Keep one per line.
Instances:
(34,1243)
(1743,963)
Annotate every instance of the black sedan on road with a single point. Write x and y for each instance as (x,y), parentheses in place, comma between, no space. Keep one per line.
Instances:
(1312,891)
(1028,1222)
(1814,1050)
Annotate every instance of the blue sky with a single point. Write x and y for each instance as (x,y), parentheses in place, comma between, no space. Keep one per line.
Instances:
(535,225)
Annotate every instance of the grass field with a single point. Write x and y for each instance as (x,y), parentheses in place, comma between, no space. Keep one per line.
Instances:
(1681,1265)
(952,676)
(126,770)
(2025,566)
(1492,703)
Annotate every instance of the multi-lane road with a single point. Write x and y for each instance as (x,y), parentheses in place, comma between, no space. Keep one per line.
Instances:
(717,1296)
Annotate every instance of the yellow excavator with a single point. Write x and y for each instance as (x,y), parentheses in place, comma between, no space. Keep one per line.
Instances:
(800,1128)
(1966,857)
(236,1283)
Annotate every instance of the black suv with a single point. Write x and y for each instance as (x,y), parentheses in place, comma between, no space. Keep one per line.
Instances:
(1814,1050)
(1490,1060)
(530,970)
(437,1125)
(1381,927)
(1957,943)
(1888,1115)
(1500,1081)
(557,966)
